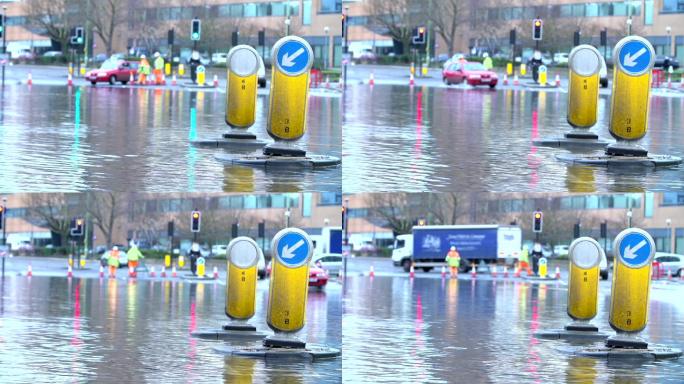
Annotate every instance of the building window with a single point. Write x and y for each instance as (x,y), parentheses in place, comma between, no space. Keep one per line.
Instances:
(331,6)
(306,12)
(673,6)
(330,198)
(306,205)
(648,204)
(250,10)
(237,10)
(592,10)
(672,198)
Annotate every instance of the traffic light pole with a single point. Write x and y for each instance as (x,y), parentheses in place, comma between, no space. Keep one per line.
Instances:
(345,52)
(4,210)
(4,52)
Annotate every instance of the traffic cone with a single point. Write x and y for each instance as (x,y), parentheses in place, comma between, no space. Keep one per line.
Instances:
(505,272)
(29,271)
(517,271)
(669,80)
(327,81)
(515,80)
(215,81)
(371,81)
(557,80)
(152,273)
(173,272)
(215,273)
(130,271)
(163,272)
(163,79)
(443,271)
(101,271)
(493,272)
(70,80)
(473,272)
(372,272)
(29,80)
(669,274)
(412,81)
(412,272)
(70,273)
(173,80)
(505,79)
(558,272)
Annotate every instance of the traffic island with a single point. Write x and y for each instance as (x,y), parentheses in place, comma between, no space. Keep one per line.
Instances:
(310,352)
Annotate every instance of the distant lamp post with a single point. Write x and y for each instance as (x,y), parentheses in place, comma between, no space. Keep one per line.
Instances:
(326,29)
(669,234)
(287,26)
(670,38)
(287,217)
(629,218)
(326,222)
(629,25)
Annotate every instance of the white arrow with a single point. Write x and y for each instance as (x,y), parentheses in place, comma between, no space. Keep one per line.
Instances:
(288,252)
(630,60)
(288,60)
(630,252)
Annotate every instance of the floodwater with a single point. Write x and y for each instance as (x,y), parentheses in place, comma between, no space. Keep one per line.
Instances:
(438,331)
(135,139)
(459,139)
(59,330)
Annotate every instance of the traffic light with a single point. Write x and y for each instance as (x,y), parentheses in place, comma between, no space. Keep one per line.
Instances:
(77,227)
(262,38)
(2,216)
(576,231)
(576,38)
(196,220)
(422,222)
(196,30)
(538,222)
(261,229)
(537,28)
(234,38)
(344,216)
(2,25)
(234,230)
(171,36)
(344,24)
(604,37)
(604,230)
(512,37)
(419,36)
(79,35)
(170,229)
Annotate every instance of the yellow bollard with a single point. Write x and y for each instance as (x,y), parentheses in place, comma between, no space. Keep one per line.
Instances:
(243,257)
(83,263)
(543,268)
(167,69)
(241,87)
(181,69)
(200,267)
(629,105)
(82,70)
(289,284)
(583,281)
(425,70)
(167,261)
(584,65)
(181,261)
(200,75)
(509,69)
(413,69)
(542,75)
(523,69)
(70,261)
(289,88)
(635,249)
(71,69)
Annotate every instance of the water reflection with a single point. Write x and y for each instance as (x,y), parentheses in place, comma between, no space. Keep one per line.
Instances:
(125,139)
(419,139)
(431,330)
(105,330)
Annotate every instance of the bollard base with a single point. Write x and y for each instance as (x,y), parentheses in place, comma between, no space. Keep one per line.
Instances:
(652,352)
(228,334)
(308,161)
(310,353)
(581,327)
(289,151)
(650,161)
(627,150)
(239,327)
(564,334)
(574,138)
(191,277)
(625,341)
(191,85)
(230,142)
(538,278)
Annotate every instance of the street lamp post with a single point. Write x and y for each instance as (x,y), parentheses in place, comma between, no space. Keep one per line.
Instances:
(345,224)
(629,218)
(287,26)
(287,217)
(668,221)
(629,25)
(345,51)
(4,43)
(4,222)
(668,29)
(327,47)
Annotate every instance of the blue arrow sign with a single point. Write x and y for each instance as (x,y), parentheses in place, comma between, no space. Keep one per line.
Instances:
(293,57)
(635,249)
(293,249)
(635,56)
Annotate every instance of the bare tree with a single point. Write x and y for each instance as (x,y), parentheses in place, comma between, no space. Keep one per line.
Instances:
(53,18)
(447,19)
(397,18)
(51,210)
(106,17)
(106,208)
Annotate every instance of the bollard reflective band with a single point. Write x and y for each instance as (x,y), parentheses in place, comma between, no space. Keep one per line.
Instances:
(635,249)
(630,99)
(289,280)
(583,281)
(241,89)
(584,64)
(293,58)
(243,256)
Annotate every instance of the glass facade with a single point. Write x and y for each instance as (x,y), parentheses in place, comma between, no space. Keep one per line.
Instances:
(672,198)
(673,6)
(330,198)
(260,9)
(330,6)
(615,8)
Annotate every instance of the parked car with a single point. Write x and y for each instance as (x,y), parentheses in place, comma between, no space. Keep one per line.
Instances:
(561,250)
(331,262)
(53,54)
(219,58)
(560,58)
(5,251)
(664,62)
(25,247)
(367,56)
(670,262)
(112,71)
(23,55)
(219,249)
(471,72)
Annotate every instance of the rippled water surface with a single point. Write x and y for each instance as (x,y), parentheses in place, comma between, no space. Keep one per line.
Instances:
(435,331)
(136,139)
(457,139)
(55,330)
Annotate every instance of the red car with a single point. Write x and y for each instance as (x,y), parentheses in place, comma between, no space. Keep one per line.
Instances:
(112,71)
(471,72)
(317,276)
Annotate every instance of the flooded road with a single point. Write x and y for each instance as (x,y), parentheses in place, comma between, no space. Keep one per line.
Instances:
(458,139)
(58,330)
(134,139)
(439,331)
